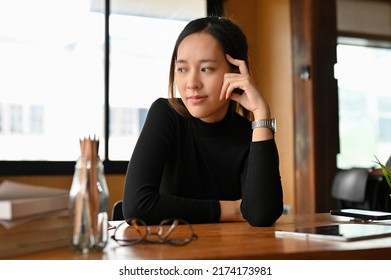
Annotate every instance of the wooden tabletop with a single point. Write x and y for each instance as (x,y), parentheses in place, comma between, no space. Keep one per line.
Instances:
(241,241)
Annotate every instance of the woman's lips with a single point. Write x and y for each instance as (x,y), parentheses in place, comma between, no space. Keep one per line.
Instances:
(196,99)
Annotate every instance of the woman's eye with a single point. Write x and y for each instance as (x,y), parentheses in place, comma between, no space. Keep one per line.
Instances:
(181,69)
(207,69)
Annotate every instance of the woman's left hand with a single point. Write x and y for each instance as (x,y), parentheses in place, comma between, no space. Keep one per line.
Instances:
(251,98)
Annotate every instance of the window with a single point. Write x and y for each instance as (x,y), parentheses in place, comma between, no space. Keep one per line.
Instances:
(364,105)
(16,119)
(59,84)
(36,119)
(52,77)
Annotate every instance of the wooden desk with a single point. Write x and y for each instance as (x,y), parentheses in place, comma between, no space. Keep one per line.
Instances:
(241,241)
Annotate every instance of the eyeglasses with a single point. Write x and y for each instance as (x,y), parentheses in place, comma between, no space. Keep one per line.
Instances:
(135,231)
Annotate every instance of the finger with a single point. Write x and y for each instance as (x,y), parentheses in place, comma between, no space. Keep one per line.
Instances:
(233,89)
(226,88)
(230,88)
(223,91)
(240,63)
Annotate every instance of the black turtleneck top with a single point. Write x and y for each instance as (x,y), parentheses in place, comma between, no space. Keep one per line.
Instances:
(181,167)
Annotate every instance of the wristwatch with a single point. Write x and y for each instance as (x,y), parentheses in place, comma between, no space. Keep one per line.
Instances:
(267,123)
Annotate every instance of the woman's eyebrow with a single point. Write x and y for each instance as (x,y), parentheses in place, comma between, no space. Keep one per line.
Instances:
(181,61)
(202,60)
(209,60)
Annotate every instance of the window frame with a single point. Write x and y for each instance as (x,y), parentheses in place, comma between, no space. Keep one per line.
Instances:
(11,168)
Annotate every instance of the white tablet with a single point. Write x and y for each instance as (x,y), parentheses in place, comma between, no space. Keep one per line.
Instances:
(338,232)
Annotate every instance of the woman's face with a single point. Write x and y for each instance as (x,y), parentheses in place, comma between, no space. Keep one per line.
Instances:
(199,75)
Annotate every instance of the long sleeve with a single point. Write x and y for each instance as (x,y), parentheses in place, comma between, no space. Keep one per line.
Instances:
(262,202)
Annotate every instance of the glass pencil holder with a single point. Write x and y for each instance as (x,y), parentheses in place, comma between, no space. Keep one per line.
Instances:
(88,206)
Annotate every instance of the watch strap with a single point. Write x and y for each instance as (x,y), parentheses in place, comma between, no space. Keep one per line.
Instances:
(267,123)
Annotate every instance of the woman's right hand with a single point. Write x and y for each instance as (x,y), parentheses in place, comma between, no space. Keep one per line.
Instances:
(251,98)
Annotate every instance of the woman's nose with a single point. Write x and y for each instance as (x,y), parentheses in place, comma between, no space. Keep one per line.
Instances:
(193,81)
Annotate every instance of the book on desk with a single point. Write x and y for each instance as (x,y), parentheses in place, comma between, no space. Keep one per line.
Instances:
(32,218)
(19,200)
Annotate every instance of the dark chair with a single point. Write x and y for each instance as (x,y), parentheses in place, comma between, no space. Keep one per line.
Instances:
(349,188)
(116,212)
(356,188)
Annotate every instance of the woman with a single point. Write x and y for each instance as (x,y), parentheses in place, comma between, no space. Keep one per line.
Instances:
(197,158)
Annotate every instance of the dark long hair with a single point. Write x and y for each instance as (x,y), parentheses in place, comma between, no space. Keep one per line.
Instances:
(233,42)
